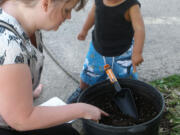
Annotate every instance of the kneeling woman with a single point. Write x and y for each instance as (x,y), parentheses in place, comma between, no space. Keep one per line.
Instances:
(21,63)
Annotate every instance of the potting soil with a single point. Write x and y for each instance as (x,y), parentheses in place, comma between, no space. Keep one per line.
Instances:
(145,107)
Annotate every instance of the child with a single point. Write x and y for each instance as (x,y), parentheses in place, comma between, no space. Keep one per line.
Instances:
(117,40)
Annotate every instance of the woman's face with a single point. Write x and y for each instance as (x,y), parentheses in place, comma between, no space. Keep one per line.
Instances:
(59,11)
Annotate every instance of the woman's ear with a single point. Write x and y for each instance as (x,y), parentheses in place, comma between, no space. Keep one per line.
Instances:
(45,4)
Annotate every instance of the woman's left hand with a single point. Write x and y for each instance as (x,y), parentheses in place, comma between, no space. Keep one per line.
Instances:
(137,59)
(37,91)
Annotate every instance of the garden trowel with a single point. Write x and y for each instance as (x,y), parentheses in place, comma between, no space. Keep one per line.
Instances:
(123,97)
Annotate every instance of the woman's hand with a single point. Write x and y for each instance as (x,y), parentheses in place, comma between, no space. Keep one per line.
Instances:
(137,59)
(37,91)
(82,35)
(92,112)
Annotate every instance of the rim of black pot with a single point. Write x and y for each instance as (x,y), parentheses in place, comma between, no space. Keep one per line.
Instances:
(126,127)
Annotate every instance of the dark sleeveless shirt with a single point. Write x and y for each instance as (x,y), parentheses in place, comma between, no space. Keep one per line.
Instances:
(112,34)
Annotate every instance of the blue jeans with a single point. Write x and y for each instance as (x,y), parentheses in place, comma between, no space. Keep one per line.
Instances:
(93,68)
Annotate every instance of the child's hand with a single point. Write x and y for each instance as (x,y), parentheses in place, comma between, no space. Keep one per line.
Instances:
(137,59)
(82,35)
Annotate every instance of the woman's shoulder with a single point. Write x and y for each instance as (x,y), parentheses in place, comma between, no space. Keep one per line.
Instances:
(12,50)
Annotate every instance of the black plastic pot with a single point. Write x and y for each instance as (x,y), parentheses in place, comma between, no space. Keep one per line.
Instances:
(147,128)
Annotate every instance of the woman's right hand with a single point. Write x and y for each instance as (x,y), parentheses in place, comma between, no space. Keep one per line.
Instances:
(82,35)
(92,112)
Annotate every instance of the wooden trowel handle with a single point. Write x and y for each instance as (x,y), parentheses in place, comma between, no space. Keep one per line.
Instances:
(110,73)
(112,77)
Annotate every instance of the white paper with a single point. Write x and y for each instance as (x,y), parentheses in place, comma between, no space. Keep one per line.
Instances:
(55,101)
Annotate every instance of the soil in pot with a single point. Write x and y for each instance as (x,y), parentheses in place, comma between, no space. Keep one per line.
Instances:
(145,107)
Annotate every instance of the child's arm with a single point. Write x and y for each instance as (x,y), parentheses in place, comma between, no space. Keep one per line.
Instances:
(139,35)
(88,24)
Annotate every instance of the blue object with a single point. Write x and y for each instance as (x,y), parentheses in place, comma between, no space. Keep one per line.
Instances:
(93,68)
(74,96)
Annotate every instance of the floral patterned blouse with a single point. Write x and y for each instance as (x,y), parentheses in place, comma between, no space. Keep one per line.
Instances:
(14,50)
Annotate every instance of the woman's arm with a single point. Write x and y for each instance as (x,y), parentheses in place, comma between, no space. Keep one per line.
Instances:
(16,103)
(88,23)
(139,34)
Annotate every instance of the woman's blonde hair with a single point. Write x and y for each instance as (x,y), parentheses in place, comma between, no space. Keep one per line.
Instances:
(79,6)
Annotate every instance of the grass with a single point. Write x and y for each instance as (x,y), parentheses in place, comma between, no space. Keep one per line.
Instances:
(170,88)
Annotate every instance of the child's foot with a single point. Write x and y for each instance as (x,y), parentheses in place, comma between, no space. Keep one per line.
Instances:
(37,91)
(74,96)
